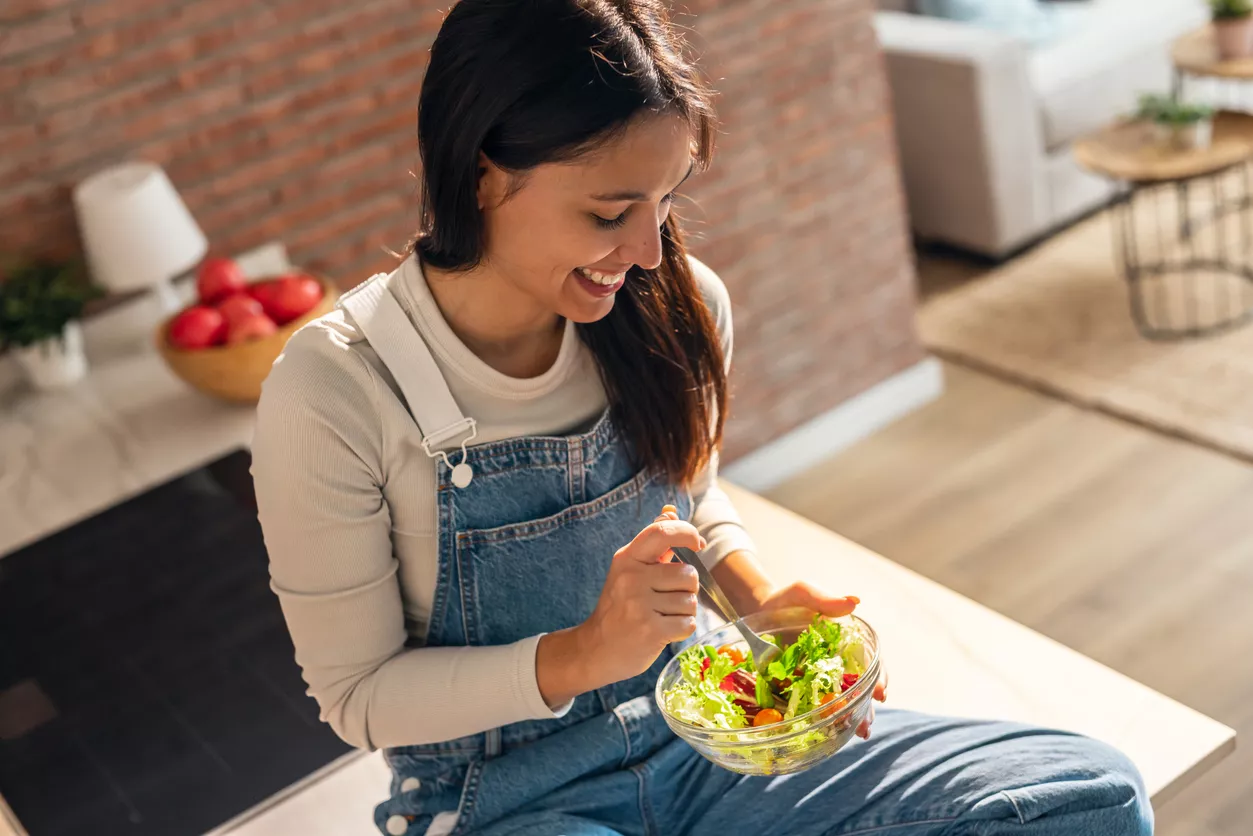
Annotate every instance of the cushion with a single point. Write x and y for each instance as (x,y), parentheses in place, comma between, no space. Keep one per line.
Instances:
(1095,73)
(1027,20)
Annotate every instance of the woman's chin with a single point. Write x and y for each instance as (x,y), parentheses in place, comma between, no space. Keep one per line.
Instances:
(587,311)
(584,302)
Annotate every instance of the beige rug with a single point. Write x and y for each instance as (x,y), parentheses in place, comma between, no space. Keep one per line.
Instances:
(1058,319)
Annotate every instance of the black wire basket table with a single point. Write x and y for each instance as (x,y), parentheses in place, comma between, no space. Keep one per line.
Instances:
(1182,224)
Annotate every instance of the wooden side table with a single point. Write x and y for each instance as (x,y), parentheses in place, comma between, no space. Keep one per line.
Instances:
(1195,56)
(1183,225)
(1196,53)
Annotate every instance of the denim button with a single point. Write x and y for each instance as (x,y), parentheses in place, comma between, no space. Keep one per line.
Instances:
(462,475)
(410,784)
(397,825)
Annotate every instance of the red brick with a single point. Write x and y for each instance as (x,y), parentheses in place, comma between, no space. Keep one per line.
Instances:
(217,147)
(345,168)
(287,45)
(111,105)
(97,16)
(221,175)
(351,271)
(220,218)
(349,263)
(390,85)
(286,212)
(18,139)
(59,160)
(360,219)
(14,10)
(118,55)
(130,30)
(220,146)
(31,35)
(185,111)
(264,170)
(30,197)
(340,52)
(716,19)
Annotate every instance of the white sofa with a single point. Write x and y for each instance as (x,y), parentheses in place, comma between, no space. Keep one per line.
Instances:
(985,121)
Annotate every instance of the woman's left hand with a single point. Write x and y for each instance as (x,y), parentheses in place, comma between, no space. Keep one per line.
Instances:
(804,594)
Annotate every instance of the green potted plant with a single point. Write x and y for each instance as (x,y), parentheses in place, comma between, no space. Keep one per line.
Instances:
(1180,126)
(40,304)
(1233,27)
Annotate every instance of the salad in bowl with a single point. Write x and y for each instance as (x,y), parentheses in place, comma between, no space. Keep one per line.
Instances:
(804,709)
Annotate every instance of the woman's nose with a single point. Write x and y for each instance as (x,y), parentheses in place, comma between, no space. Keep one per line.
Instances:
(644,246)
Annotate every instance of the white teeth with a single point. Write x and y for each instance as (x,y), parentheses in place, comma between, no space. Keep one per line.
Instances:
(604,279)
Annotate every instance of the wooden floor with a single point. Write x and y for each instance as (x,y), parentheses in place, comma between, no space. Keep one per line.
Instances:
(1130,547)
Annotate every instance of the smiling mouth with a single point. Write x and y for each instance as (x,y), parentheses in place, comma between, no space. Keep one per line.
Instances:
(602,279)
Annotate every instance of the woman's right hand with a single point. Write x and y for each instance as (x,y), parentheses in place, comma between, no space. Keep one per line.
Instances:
(647,602)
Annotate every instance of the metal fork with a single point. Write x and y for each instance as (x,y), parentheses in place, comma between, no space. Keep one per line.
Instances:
(763,651)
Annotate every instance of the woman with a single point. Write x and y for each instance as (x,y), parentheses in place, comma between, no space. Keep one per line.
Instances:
(459,476)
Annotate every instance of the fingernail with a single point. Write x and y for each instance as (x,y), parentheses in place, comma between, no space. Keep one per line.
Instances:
(703,544)
(854,599)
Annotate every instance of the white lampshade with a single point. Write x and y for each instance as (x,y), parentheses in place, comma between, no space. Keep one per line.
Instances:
(136,229)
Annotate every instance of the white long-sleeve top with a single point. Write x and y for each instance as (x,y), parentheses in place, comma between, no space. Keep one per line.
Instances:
(347,506)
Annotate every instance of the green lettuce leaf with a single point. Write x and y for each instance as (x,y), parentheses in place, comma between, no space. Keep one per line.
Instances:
(700,701)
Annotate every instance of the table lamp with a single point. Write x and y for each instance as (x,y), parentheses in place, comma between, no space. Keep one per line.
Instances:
(137,232)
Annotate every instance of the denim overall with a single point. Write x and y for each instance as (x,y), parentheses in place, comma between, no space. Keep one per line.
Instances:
(527,529)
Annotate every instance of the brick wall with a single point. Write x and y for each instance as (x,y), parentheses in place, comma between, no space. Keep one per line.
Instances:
(294,119)
(285,118)
(802,214)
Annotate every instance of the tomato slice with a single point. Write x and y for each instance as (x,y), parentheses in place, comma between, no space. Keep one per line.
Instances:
(831,703)
(733,653)
(767,716)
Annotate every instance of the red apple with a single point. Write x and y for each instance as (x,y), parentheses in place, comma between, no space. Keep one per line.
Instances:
(262,291)
(198,327)
(251,327)
(239,306)
(289,297)
(218,278)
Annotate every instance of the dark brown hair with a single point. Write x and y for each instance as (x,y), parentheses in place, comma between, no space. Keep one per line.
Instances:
(528,82)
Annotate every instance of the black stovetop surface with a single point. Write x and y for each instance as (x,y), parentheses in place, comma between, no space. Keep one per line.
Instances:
(146,677)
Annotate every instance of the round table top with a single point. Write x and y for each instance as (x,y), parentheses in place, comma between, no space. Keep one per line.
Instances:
(1196,53)
(1128,150)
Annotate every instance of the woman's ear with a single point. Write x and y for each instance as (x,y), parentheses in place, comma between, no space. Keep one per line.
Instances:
(493,184)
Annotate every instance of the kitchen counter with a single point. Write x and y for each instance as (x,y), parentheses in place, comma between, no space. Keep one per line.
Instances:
(132,425)
(128,426)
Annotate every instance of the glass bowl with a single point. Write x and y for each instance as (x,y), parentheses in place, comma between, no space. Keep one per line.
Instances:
(790,745)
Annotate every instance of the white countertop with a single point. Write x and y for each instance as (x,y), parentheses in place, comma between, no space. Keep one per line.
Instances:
(132,425)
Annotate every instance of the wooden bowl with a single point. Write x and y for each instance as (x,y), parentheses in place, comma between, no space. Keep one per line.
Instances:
(235,372)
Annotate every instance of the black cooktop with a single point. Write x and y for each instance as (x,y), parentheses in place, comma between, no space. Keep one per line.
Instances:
(147,684)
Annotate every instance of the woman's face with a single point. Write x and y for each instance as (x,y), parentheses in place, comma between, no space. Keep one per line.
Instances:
(567,236)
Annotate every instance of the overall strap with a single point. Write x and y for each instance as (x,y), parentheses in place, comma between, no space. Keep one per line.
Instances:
(406,355)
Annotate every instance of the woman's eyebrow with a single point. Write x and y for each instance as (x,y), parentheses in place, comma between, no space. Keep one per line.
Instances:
(617,197)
